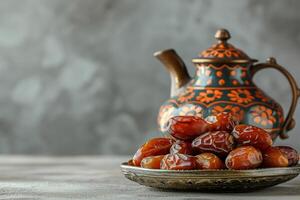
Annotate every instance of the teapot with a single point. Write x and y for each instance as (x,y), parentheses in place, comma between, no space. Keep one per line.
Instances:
(223,83)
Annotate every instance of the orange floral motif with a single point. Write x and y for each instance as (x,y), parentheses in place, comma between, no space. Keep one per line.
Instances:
(221,51)
(191,110)
(263,116)
(236,111)
(189,94)
(240,96)
(259,94)
(233,73)
(209,96)
(235,82)
(221,82)
(219,73)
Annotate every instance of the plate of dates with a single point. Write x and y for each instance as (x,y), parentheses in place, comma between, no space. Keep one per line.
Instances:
(215,154)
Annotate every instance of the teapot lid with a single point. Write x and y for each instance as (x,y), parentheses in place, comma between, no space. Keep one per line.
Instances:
(222,52)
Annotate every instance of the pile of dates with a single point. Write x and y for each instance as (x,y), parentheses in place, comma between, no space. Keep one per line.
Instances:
(216,142)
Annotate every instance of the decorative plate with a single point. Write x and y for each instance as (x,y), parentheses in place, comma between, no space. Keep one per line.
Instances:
(210,180)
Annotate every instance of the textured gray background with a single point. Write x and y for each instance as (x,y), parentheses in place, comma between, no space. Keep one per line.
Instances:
(78,77)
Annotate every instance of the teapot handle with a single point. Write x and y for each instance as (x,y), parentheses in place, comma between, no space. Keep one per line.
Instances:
(289,122)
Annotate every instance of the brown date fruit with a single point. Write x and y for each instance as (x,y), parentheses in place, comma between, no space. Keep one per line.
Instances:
(209,161)
(130,162)
(178,162)
(152,162)
(186,127)
(291,154)
(253,136)
(181,147)
(245,157)
(274,157)
(153,147)
(219,143)
(221,122)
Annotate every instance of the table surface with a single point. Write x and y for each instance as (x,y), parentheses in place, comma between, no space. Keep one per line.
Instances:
(23,177)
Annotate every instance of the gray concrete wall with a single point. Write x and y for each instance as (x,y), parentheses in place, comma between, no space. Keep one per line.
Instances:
(78,76)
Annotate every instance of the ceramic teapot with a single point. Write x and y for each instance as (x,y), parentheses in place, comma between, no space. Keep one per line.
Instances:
(223,83)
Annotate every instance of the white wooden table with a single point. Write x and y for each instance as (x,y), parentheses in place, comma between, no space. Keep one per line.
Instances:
(23,177)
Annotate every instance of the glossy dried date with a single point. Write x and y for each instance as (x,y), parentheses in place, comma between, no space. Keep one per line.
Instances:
(186,127)
(130,162)
(152,162)
(153,147)
(181,147)
(178,162)
(221,122)
(274,157)
(209,161)
(253,136)
(291,154)
(245,157)
(219,143)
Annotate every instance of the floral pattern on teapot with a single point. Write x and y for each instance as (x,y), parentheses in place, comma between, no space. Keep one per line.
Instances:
(224,89)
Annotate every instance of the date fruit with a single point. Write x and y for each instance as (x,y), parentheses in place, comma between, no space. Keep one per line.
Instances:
(181,147)
(291,154)
(209,161)
(152,162)
(219,143)
(153,147)
(221,122)
(178,162)
(186,127)
(130,163)
(245,157)
(253,136)
(274,157)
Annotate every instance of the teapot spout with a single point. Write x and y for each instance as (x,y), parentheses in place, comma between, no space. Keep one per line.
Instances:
(176,67)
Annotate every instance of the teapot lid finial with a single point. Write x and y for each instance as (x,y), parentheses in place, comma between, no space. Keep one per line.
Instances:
(222,35)
(222,51)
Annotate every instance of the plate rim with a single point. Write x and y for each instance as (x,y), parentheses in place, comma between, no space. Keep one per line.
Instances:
(220,173)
